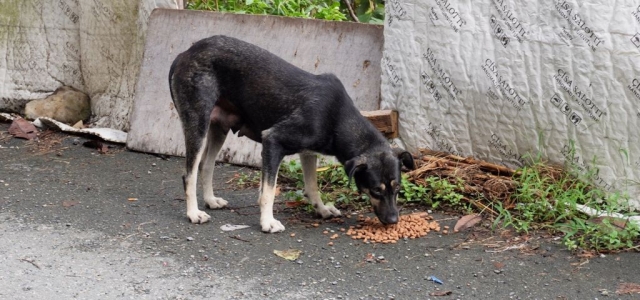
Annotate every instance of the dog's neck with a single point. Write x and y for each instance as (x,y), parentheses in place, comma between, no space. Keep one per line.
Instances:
(356,136)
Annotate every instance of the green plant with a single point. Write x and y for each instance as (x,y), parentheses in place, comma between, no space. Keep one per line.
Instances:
(318,9)
(445,191)
(548,198)
(333,184)
(330,12)
(246,179)
(411,192)
(434,192)
(369,11)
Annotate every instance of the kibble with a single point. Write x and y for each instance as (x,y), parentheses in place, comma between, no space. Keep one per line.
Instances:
(409,226)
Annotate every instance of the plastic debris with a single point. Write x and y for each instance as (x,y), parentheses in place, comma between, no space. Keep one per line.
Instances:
(231,227)
(434,279)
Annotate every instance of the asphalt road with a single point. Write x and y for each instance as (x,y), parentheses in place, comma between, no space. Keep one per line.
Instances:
(69,230)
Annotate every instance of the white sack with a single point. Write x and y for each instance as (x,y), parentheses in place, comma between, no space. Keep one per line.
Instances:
(95,46)
(501,79)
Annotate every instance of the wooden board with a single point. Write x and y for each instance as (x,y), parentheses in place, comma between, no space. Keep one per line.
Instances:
(351,51)
(386,121)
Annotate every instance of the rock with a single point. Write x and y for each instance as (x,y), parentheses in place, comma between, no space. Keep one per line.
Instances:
(66,105)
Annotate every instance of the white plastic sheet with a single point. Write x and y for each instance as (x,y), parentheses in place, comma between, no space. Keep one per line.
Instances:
(501,80)
(93,45)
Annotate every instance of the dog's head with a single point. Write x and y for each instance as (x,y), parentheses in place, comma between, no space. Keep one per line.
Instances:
(377,173)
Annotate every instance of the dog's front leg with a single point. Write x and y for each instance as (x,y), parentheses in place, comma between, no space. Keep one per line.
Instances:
(271,158)
(309,164)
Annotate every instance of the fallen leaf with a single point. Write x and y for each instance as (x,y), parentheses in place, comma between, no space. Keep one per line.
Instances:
(616,222)
(293,204)
(69,203)
(22,128)
(628,288)
(289,254)
(467,221)
(498,265)
(441,293)
(322,169)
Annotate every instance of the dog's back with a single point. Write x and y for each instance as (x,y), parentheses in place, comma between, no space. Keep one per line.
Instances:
(264,91)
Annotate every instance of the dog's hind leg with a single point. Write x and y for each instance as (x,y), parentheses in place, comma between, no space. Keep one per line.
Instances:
(195,147)
(215,139)
(194,104)
(308,162)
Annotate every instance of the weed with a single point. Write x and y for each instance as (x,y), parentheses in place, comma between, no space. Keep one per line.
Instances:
(435,192)
(548,198)
(333,184)
(317,9)
(545,198)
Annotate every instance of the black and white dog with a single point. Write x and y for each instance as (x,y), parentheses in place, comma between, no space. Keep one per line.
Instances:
(222,84)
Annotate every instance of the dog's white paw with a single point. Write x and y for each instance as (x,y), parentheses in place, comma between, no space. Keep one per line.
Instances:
(328,212)
(215,203)
(271,226)
(198,216)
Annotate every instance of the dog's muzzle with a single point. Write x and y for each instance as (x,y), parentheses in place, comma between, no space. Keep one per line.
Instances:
(387,212)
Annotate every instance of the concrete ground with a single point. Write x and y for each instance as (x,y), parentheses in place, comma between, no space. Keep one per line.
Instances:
(77,224)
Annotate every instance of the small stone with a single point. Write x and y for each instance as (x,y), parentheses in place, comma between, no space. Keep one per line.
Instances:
(497,271)
(189,238)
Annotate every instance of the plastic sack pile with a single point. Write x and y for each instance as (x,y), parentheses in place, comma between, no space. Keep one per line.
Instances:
(500,80)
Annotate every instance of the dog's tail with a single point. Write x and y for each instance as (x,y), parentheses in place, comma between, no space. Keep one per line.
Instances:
(173,65)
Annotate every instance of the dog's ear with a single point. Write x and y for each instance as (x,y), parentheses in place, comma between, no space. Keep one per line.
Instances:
(405,157)
(354,165)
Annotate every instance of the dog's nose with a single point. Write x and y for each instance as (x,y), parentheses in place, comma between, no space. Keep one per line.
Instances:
(391,219)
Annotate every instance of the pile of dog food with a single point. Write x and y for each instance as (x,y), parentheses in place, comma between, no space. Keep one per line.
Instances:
(409,226)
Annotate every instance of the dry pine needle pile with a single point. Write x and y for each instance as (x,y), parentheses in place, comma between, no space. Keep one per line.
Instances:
(409,226)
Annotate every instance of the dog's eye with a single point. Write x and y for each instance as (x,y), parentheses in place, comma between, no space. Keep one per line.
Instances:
(376,191)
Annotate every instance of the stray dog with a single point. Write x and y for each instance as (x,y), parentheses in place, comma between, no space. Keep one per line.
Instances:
(222,83)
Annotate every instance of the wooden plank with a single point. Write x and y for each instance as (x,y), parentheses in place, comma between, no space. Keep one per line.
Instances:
(351,51)
(386,121)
